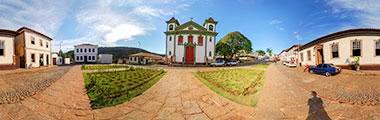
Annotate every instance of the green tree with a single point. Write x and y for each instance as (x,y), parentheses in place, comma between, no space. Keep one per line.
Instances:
(260,52)
(232,44)
(269,51)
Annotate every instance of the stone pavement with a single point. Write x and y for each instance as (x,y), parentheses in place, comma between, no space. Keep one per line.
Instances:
(65,99)
(177,96)
(281,98)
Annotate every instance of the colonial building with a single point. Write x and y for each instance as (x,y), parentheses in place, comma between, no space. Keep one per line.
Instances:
(7,56)
(341,47)
(85,53)
(25,48)
(190,43)
(291,54)
(144,58)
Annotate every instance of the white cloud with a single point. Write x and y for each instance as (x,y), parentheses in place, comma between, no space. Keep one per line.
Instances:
(102,22)
(367,11)
(124,31)
(45,16)
(275,22)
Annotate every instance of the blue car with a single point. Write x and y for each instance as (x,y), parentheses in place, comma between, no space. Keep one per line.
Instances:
(325,69)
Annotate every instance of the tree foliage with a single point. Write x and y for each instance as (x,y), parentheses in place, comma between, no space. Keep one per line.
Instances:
(232,44)
(260,52)
(269,51)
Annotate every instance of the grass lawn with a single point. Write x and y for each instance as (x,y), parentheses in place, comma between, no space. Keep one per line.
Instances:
(241,85)
(111,88)
(102,67)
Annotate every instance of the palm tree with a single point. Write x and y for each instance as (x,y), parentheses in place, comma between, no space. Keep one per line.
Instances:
(269,51)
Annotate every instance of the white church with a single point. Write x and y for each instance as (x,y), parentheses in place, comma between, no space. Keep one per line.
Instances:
(190,43)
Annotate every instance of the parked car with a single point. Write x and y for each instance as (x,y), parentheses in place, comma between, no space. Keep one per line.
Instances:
(291,64)
(218,63)
(233,63)
(325,69)
(284,62)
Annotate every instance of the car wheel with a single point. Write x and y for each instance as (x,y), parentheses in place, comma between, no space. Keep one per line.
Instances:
(327,74)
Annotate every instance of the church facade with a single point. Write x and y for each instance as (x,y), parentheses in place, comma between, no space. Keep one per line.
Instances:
(190,43)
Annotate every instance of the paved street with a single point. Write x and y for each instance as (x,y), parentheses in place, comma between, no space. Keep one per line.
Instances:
(282,98)
(179,95)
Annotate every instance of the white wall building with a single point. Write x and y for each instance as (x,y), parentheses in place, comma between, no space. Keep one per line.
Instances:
(291,54)
(25,48)
(7,55)
(85,53)
(190,43)
(57,60)
(341,47)
(105,58)
(32,48)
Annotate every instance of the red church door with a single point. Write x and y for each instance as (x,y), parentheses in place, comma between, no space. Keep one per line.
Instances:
(189,55)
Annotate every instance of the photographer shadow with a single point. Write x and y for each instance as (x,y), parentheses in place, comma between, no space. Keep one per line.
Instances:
(316,108)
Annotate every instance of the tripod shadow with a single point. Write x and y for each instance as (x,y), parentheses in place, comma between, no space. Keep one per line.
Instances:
(316,109)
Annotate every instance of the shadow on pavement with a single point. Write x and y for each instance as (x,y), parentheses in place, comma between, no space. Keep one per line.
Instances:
(316,109)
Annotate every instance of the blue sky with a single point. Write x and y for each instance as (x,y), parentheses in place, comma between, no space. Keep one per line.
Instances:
(275,24)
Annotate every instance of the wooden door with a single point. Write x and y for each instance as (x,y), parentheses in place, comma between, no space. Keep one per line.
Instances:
(189,56)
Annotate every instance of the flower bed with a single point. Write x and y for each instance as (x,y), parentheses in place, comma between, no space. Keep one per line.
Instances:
(239,85)
(112,88)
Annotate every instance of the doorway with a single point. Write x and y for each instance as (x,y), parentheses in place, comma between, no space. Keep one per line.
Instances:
(189,54)
(319,59)
(85,59)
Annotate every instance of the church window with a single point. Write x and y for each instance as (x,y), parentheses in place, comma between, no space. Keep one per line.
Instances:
(180,40)
(211,27)
(200,40)
(171,27)
(190,39)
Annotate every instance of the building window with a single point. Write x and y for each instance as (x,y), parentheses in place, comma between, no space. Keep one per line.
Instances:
(211,27)
(356,48)
(210,39)
(89,57)
(377,48)
(2,47)
(47,45)
(33,57)
(170,38)
(33,41)
(180,40)
(81,57)
(335,50)
(77,58)
(308,55)
(301,54)
(41,44)
(134,58)
(93,57)
(77,50)
(210,54)
(93,49)
(81,50)
(171,27)
(200,40)
(190,39)
(170,52)
(85,50)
